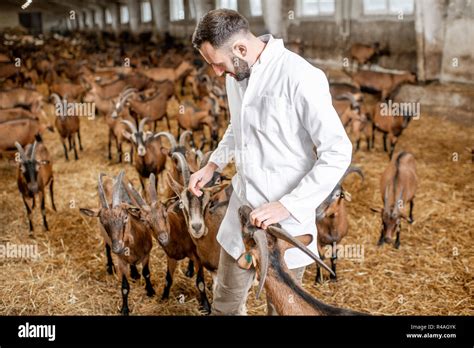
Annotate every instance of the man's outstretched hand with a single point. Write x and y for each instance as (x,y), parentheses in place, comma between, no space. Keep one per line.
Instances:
(199,179)
(267,214)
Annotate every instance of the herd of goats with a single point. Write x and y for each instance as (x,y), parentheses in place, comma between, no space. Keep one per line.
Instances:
(131,85)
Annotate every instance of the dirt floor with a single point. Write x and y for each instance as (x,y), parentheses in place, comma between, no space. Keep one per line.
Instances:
(431,273)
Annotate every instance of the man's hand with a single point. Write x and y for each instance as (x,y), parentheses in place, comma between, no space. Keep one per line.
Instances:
(267,214)
(199,179)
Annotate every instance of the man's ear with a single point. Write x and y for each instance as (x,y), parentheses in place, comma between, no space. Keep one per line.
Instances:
(239,49)
(90,212)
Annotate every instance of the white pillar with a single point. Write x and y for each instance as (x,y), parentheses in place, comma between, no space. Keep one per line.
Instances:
(161,15)
(134,15)
(272,17)
(202,7)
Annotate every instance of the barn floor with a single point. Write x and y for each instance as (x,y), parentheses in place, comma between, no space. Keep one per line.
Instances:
(431,273)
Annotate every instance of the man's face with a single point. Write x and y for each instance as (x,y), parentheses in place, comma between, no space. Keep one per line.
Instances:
(224,61)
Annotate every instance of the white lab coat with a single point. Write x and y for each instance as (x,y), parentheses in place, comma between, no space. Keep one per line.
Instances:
(278,116)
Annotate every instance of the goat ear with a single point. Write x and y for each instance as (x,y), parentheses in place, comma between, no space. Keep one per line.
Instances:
(347,196)
(306,239)
(376,210)
(165,151)
(214,189)
(175,186)
(127,135)
(89,212)
(134,211)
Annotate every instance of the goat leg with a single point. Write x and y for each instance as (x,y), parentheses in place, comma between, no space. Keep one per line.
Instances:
(110,144)
(110,263)
(319,276)
(410,217)
(204,302)
(74,147)
(385,142)
(190,271)
(397,241)
(28,213)
(51,193)
(119,151)
(134,272)
(65,149)
(169,278)
(146,274)
(168,123)
(43,210)
(79,139)
(125,292)
(381,240)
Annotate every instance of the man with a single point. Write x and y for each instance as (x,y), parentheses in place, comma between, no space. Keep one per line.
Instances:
(280,110)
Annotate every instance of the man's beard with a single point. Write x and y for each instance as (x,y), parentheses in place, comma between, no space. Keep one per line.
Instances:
(242,69)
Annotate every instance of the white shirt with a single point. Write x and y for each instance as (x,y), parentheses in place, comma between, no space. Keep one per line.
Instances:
(278,116)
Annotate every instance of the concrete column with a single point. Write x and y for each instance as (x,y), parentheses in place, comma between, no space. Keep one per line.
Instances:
(99,17)
(203,7)
(134,14)
(161,15)
(115,12)
(429,27)
(272,17)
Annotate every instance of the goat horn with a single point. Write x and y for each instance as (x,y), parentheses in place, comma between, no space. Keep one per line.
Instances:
(130,125)
(183,166)
(353,170)
(183,137)
(135,196)
(170,138)
(21,151)
(205,159)
(200,157)
(152,189)
(56,97)
(116,189)
(33,151)
(348,96)
(283,235)
(103,200)
(142,124)
(260,238)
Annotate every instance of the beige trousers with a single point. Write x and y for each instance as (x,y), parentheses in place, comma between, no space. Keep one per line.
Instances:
(233,284)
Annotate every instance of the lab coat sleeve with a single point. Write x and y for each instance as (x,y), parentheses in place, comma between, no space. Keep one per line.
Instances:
(224,152)
(316,113)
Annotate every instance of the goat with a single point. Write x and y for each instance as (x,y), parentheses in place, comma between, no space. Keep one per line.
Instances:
(68,126)
(149,156)
(362,54)
(344,111)
(332,223)
(21,97)
(168,226)
(71,90)
(398,187)
(125,235)
(203,215)
(195,119)
(24,131)
(383,83)
(16,114)
(34,174)
(265,251)
(168,74)
(391,126)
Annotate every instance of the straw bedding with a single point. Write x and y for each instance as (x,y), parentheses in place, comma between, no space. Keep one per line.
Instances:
(431,273)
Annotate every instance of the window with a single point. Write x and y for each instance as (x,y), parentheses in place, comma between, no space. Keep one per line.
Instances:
(256,8)
(315,7)
(108,16)
(145,12)
(124,18)
(192,9)
(176,10)
(97,17)
(388,7)
(232,4)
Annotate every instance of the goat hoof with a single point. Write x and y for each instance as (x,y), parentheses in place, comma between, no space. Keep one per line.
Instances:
(110,269)
(411,221)
(397,245)
(165,296)
(125,311)
(205,308)
(150,292)
(189,273)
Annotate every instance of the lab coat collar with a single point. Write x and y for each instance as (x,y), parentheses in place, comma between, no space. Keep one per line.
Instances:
(273,48)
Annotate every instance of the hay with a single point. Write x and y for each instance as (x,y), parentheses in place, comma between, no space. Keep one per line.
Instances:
(431,274)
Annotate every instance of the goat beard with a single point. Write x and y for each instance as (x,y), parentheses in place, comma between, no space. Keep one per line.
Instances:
(242,69)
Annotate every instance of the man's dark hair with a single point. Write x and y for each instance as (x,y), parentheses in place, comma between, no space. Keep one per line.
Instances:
(218,26)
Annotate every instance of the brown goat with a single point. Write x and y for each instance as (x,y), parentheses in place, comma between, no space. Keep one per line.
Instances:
(149,155)
(21,97)
(34,174)
(24,131)
(363,54)
(383,83)
(169,229)
(203,215)
(125,235)
(391,126)
(68,127)
(398,187)
(265,251)
(332,222)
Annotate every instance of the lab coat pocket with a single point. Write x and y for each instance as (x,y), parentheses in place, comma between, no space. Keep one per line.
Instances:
(271,114)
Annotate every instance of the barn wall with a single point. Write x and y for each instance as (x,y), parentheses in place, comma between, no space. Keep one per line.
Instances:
(8,15)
